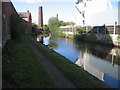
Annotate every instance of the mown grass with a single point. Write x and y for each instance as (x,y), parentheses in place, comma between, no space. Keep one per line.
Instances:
(77,75)
(21,69)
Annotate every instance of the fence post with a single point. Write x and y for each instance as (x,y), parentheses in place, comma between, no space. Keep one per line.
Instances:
(98,30)
(115,27)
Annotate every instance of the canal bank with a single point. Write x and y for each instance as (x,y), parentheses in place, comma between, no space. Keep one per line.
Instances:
(77,75)
(105,39)
(102,61)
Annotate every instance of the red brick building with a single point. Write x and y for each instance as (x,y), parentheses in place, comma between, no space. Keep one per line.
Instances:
(26,16)
(8,10)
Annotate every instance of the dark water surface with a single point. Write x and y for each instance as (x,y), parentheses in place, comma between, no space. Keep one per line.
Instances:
(99,60)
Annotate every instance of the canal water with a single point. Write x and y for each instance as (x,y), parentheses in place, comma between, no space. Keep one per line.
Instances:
(101,61)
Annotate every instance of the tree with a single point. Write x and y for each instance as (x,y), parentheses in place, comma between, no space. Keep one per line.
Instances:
(80,29)
(53,25)
(34,27)
(62,23)
(46,30)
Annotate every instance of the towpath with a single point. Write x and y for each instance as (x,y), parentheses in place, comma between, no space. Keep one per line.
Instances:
(60,80)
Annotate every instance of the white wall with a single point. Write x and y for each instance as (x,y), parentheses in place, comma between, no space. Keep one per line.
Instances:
(107,17)
(97,13)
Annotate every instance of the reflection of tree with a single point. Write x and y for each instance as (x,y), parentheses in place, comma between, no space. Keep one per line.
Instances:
(80,46)
(54,45)
(100,51)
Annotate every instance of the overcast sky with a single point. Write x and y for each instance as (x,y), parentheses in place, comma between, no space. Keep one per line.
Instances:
(64,8)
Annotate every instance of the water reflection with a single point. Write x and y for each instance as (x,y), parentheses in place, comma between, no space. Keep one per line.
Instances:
(100,68)
(101,61)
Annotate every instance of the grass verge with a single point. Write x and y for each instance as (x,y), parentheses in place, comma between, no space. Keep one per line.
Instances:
(77,75)
(21,69)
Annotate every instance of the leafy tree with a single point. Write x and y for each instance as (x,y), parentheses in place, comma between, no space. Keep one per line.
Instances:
(80,29)
(62,23)
(34,27)
(46,30)
(53,25)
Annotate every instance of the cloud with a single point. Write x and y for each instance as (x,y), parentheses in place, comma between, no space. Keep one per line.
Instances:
(27,1)
(36,1)
(114,0)
(32,1)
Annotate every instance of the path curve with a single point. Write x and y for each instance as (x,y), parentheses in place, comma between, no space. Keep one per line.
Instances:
(60,80)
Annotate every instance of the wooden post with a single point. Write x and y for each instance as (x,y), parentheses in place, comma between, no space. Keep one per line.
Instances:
(98,30)
(115,27)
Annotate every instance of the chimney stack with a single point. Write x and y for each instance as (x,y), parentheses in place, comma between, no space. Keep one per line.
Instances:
(40,18)
(57,16)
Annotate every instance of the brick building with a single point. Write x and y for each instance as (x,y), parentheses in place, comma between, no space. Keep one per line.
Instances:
(8,10)
(26,16)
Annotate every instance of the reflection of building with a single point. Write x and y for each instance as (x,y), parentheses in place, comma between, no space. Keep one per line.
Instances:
(99,68)
(85,63)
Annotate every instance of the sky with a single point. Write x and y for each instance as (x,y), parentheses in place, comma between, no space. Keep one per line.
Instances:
(64,8)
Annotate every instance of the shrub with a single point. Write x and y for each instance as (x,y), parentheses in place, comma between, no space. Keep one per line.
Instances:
(80,37)
(91,37)
(118,37)
(80,30)
(85,37)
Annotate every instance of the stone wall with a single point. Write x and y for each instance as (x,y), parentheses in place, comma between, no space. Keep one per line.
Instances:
(104,29)
(7,10)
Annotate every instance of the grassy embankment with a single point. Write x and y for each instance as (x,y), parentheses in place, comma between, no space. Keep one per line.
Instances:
(21,69)
(77,75)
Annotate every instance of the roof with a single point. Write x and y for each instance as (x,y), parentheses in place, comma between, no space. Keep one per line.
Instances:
(23,14)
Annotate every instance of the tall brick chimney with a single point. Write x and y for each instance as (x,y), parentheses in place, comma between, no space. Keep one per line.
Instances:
(40,18)
(57,16)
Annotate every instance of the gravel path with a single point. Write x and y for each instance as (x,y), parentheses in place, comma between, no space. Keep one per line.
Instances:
(60,80)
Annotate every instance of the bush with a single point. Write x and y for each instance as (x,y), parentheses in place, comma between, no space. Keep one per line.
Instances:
(80,30)
(118,37)
(63,35)
(16,27)
(85,37)
(91,37)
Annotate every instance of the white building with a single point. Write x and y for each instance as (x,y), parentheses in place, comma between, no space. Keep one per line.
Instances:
(96,13)
(69,29)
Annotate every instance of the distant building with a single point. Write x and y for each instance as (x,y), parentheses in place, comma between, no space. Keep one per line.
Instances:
(68,29)
(93,13)
(26,16)
(40,17)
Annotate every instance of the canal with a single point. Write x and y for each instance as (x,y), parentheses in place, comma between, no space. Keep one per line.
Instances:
(101,61)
